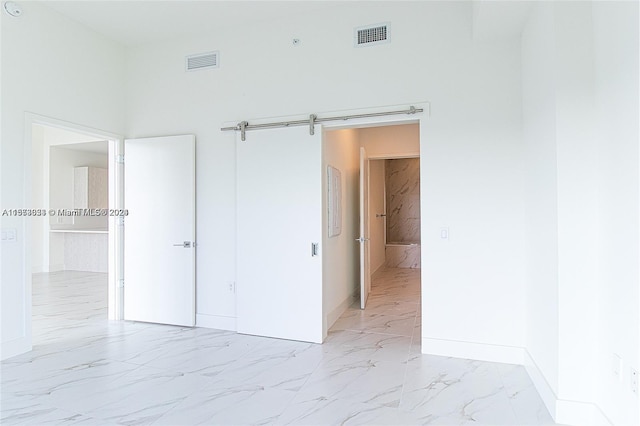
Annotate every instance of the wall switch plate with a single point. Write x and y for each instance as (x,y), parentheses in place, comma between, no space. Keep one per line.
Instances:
(9,235)
(444,233)
(634,381)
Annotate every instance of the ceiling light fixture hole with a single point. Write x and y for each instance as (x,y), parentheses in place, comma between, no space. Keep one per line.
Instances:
(13,9)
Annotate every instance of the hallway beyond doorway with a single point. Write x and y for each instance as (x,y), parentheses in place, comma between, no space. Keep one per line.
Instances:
(393,307)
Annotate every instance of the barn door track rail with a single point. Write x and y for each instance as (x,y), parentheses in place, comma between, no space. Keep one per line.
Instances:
(243,126)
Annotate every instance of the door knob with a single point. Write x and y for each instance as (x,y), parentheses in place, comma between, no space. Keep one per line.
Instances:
(186,244)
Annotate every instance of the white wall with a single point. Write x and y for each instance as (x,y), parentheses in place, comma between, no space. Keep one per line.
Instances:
(577,200)
(341,255)
(471,183)
(580,107)
(615,37)
(474,154)
(541,206)
(39,225)
(54,67)
(391,141)
(376,206)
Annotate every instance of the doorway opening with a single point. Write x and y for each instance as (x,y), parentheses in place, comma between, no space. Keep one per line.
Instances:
(387,297)
(394,214)
(313,275)
(74,243)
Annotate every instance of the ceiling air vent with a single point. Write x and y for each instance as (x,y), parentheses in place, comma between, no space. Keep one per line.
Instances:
(372,35)
(203,61)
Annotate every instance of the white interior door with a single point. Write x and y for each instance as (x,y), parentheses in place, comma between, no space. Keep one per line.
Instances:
(365,268)
(159,240)
(279,262)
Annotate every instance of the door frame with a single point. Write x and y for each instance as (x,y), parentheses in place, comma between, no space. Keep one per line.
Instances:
(365,226)
(383,157)
(116,201)
(381,121)
(392,157)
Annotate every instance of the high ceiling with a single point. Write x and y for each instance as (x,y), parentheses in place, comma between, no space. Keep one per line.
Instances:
(143,21)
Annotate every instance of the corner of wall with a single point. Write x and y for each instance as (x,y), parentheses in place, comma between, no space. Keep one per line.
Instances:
(580,414)
(331,317)
(567,412)
(539,381)
(15,347)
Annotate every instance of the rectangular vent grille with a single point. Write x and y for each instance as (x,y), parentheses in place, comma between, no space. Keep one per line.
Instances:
(372,35)
(203,61)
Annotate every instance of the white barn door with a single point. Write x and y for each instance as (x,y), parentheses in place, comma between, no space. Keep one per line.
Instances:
(279,261)
(159,239)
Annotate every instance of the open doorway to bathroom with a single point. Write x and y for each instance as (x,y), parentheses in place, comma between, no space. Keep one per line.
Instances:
(394,217)
(392,313)
(393,306)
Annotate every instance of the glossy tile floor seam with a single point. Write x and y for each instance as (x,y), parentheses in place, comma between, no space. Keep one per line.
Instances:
(85,369)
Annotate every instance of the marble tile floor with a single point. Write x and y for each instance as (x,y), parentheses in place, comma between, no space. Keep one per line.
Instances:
(87,370)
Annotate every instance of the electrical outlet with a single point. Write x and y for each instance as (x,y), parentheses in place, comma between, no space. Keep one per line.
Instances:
(9,235)
(634,381)
(231,286)
(616,366)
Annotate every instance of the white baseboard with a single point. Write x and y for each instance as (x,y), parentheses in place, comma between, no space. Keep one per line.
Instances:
(216,321)
(471,350)
(37,269)
(14,347)
(378,269)
(56,267)
(578,413)
(333,316)
(543,387)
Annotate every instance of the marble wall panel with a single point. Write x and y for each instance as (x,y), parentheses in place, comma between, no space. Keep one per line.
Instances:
(402,181)
(399,256)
